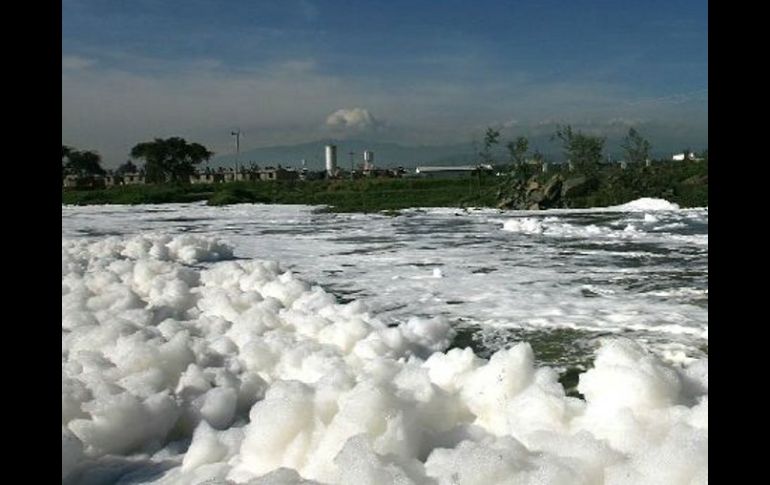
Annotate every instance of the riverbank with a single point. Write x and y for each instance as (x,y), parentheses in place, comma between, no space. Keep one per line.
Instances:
(685,184)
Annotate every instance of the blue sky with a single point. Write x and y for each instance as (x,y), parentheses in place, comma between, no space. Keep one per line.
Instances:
(406,71)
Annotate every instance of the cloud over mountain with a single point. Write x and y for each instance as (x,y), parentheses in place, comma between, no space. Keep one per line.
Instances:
(355,119)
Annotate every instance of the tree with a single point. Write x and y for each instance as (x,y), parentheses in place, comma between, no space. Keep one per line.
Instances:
(128,167)
(172,159)
(485,156)
(518,150)
(490,139)
(584,151)
(85,163)
(637,149)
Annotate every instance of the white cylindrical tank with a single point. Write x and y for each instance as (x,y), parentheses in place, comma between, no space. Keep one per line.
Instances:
(368,159)
(331,159)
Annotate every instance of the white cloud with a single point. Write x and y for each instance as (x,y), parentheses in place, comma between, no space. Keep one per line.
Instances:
(111,109)
(355,119)
(296,100)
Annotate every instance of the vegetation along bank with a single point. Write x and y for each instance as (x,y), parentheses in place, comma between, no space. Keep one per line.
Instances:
(523,181)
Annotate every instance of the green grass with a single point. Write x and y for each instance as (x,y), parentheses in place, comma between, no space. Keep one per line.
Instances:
(366,195)
(138,194)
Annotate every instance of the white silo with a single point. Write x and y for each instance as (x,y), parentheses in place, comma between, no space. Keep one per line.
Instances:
(331,159)
(368,159)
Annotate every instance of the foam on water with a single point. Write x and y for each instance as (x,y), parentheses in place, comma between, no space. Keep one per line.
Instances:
(646,204)
(593,270)
(181,364)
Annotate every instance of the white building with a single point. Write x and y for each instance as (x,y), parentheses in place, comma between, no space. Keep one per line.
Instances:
(679,157)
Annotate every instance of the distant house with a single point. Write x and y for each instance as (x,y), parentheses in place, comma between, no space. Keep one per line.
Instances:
(680,157)
(133,178)
(204,178)
(306,174)
(229,175)
(73,181)
(70,181)
(450,171)
(271,173)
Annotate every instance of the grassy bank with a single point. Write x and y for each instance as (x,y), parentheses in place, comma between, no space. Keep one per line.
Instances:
(685,184)
(139,194)
(364,195)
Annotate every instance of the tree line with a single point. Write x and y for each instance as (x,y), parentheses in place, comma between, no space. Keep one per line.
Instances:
(583,151)
(175,160)
(165,160)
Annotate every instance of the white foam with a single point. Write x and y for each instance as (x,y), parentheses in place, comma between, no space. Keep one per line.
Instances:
(556,227)
(646,204)
(527,225)
(270,380)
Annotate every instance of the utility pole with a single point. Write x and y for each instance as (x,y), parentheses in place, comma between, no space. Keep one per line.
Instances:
(237,135)
(351,164)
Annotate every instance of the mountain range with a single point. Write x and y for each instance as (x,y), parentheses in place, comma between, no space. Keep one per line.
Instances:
(388,154)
